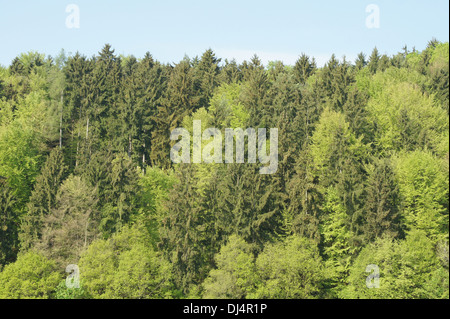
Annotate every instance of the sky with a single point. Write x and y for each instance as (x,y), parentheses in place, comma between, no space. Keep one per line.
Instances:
(171,29)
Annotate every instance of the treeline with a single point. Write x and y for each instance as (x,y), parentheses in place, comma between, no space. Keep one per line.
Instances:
(86,177)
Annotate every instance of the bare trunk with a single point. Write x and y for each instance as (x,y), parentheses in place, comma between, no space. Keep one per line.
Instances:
(87,128)
(143,160)
(129,146)
(78,146)
(143,151)
(60,121)
(86,233)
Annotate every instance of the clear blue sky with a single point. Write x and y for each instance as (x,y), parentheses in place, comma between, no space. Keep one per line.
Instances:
(275,30)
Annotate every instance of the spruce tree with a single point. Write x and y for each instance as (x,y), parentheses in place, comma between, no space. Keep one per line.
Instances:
(42,198)
(104,114)
(230,72)
(8,222)
(115,178)
(205,77)
(304,68)
(360,61)
(254,95)
(72,224)
(374,60)
(334,81)
(179,100)
(151,78)
(77,101)
(303,211)
(248,203)
(382,204)
(185,230)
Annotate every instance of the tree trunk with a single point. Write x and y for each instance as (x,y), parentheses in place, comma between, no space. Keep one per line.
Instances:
(87,128)
(60,121)
(129,146)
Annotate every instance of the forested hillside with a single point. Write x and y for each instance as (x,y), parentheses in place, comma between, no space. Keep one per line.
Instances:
(362,179)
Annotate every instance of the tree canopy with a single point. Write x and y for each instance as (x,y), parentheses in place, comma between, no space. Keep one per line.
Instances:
(86,177)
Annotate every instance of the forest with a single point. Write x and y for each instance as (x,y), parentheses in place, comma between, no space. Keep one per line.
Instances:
(362,179)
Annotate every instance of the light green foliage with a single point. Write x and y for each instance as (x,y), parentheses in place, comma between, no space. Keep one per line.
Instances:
(408,269)
(154,187)
(32,276)
(334,146)
(64,292)
(125,266)
(362,162)
(19,158)
(235,275)
(336,238)
(290,269)
(203,172)
(408,119)
(332,127)
(423,182)
(226,109)
(374,85)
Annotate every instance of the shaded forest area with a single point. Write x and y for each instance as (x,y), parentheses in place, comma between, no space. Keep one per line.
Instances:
(362,179)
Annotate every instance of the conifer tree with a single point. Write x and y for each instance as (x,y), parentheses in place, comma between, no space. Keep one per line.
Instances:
(440,85)
(72,224)
(8,221)
(382,204)
(304,68)
(339,157)
(17,67)
(205,77)
(360,61)
(2,86)
(115,178)
(151,82)
(186,229)
(304,211)
(230,72)
(356,114)
(179,100)
(248,205)
(42,198)
(373,61)
(334,81)
(77,101)
(255,91)
(384,63)
(104,113)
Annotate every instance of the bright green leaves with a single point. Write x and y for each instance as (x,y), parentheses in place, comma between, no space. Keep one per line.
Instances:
(335,147)
(226,109)
(290,268)
(407,119)
(235,275)
(407,269)
(125,266)
(32,276)
(423,183)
